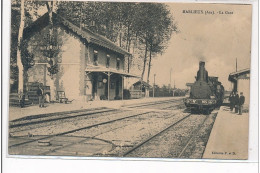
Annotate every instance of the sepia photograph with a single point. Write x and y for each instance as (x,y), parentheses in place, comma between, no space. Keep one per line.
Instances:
(129,79)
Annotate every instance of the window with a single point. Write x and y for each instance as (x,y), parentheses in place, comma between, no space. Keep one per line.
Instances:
(95,57)
(108,61)
(117,63)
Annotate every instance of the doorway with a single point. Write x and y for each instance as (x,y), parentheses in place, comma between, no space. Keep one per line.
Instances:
(94,85)
(117,87)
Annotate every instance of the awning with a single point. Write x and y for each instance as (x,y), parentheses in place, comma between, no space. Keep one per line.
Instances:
(247,70)
(233,76)
(145,84)
(109,70)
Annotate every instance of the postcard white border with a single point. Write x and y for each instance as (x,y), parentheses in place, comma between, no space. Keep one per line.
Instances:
(72,164)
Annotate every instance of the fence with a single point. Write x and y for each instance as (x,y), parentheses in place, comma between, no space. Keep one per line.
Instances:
(136,94)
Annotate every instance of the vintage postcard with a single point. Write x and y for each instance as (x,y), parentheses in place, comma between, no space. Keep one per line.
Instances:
(129,79)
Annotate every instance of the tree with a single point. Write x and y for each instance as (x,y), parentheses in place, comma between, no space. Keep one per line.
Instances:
(52,51)
(114,20)
(22,15)
(155,31)
(19,56)
(20,59)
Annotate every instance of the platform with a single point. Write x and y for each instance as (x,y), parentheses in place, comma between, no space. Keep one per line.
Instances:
(17,112)
(229,136)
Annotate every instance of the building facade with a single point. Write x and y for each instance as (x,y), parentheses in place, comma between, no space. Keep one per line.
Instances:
(90,67)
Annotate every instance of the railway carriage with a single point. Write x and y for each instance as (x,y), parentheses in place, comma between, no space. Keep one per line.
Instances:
(206,93)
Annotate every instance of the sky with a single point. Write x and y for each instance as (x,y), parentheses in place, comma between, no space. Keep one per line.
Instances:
(218,39)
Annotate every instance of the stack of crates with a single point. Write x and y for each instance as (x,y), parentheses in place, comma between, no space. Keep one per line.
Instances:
(14,100)
(32,88)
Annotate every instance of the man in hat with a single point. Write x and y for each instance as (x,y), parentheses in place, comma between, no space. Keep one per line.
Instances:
(232,101)
(40,96)
(236,100)
(241,103)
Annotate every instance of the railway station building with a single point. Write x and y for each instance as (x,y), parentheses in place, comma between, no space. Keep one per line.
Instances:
(90,67)
(241,83)
(140,89)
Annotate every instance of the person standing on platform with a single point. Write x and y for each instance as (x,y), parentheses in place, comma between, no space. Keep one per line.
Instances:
(232,101)
(236,102)
(241,103)
(40,96)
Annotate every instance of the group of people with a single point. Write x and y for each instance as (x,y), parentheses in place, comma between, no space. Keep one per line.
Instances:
(237,102)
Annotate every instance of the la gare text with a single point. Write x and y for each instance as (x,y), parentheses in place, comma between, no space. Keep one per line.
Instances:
(207,12)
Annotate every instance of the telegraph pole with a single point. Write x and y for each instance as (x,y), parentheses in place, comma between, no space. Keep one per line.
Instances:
(153,83)
(170,80)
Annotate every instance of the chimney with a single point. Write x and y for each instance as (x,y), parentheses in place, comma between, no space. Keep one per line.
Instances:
(201,73)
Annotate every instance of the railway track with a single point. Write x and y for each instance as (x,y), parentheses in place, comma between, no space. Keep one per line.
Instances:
(46,115)
(70,132)
(29,126)
(105,127)
(153,136)
(152,103)
(33,122)
(180,149)
(95,136)
(194,133)
(57,116)
(42,118)
(195,146)
(180,106)
(78,129)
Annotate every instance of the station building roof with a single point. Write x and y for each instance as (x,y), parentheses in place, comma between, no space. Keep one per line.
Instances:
(145,84)
(234,76)
(105,70)
(85,35)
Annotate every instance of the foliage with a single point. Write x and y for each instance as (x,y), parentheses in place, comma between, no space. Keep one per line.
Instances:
(143,29)
(52,49)
(145,26)
(15,21)
(31,13)
(27,57)
(155,29)
(53,69)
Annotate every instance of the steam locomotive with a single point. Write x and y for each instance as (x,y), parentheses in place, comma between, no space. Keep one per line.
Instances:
(206,93)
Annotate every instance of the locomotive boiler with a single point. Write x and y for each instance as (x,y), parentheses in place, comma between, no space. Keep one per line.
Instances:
(206,93)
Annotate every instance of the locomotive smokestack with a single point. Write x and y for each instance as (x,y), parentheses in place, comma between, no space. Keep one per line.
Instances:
(202,64)
(202,74)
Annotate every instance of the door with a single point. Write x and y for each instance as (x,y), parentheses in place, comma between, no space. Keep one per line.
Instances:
(117,87)
(94,85)
(106,88)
